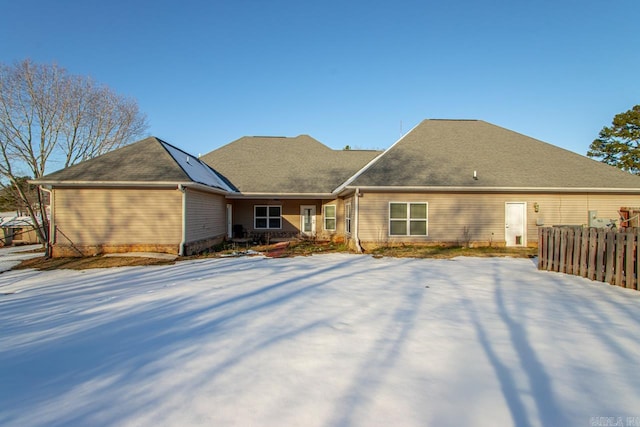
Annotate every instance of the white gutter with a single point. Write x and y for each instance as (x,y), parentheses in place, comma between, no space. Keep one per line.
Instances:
(52,216)
(183,242)
(205,188)
(357,222)
(138,184)
(102,183)
(447,189)
(281,196)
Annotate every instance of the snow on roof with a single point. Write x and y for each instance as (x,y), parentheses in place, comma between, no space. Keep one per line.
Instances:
(15,221)
(198,171)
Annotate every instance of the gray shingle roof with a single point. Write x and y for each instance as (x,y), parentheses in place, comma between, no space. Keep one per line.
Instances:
(436,153)
(445,153)
(150,160)
(286,165)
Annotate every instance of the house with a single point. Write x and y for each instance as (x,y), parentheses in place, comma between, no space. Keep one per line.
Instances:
(286,185)
(468,181)
(147,196)
(444,182)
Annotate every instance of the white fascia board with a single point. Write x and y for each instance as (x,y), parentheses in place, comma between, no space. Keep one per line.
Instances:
(368,165)
(310,196)
(204,188)
(462,189)
(106,183)
(123,184)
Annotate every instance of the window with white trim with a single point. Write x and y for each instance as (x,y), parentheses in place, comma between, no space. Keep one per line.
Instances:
(347,218)
(267,217)
(408,219)
(330,217)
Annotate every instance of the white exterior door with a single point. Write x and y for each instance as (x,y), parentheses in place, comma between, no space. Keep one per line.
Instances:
(308,220)
(515,224)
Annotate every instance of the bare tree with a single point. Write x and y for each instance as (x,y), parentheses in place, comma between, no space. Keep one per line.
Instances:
(49,115)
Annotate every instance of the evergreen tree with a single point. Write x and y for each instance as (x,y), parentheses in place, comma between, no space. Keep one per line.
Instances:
(619,144)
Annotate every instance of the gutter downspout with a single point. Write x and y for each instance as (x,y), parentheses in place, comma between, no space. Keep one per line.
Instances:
(183,242)
(356,236)
(48,246)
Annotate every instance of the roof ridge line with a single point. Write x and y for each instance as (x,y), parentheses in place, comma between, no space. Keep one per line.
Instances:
(456,120)
(271,136)
(372,162)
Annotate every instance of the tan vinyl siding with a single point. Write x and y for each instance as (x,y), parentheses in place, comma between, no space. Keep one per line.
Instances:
(573,209)
(117,216)
(243,213)
(455,218)
(291,214)
(206,215)
(345,201)
(339,218)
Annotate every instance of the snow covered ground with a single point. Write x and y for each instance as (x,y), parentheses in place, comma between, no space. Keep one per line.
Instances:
(13,255)
(328,340)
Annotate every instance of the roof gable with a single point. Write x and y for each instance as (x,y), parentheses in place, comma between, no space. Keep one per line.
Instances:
(447,153)
(285,165)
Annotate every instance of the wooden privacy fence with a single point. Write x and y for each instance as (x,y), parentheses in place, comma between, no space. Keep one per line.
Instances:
(595,253)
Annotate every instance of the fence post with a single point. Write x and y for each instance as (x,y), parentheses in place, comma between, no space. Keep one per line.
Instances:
(550,245)
(609,263)
(584,246)
(556,249)
(629,275)
(570,238)
(577,244)
(600,256)
(562,266)
(542,246)
(593,240)
(619,258)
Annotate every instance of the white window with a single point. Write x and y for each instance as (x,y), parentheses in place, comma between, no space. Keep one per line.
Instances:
(267,217)
(408,219)
(330,217)
(347,218)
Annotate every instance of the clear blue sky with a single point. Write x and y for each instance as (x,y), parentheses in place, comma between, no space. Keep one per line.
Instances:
(345,72)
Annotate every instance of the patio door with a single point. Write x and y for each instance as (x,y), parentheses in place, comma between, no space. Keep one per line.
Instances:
(308,220)
(515,224)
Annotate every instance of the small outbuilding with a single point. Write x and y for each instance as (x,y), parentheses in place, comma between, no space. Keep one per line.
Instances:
(18,230)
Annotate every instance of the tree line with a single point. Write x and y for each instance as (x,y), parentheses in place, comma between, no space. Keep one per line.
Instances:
(618,145)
